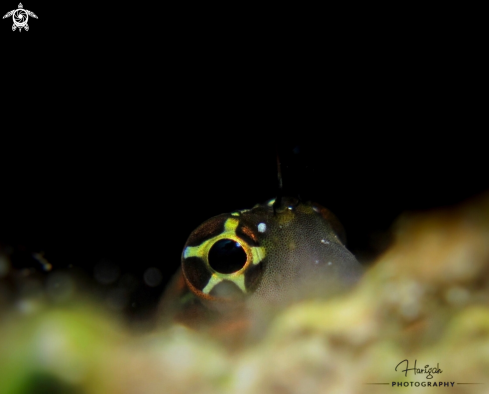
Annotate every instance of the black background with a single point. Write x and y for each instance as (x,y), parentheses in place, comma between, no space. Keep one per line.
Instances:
(125,126)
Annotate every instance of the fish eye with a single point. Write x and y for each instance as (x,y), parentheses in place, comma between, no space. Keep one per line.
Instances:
(219,251)
(227,256)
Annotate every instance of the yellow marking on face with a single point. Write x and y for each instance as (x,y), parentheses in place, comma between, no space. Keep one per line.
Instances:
(215,280)
(258,254)
(201,250)
(230,225)
(235,214)
(192,251)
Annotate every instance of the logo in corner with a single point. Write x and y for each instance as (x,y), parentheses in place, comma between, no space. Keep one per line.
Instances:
(20,16)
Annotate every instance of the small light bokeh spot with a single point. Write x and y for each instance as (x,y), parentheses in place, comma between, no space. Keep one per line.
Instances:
(153,277)
(106,272)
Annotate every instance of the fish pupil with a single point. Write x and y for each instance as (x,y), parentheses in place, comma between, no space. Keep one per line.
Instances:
(227,256)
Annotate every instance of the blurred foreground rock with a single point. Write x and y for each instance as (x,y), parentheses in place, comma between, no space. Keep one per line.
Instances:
(425,299)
